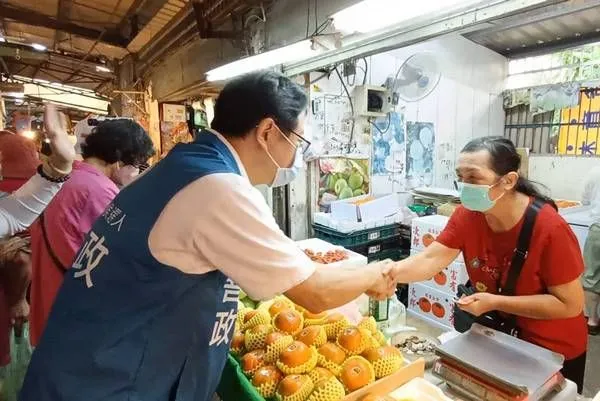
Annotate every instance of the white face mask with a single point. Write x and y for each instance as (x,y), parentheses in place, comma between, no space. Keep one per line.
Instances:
(285,175)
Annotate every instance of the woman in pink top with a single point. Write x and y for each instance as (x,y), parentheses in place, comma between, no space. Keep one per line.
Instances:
(111,155)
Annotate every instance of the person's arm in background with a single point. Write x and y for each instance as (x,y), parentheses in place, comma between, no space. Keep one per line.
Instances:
(16,279)
(22,207)
(238,234)
(561,268)
(19,209)
(590,188)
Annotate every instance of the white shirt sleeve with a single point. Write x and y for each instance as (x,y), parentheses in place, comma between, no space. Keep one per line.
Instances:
(22,207)
(222,222)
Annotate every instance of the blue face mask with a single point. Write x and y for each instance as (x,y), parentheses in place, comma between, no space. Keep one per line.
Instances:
(476,197)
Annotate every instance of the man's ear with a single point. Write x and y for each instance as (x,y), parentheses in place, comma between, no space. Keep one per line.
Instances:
(264,130)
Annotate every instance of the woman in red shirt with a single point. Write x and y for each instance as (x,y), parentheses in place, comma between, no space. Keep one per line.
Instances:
(549,298)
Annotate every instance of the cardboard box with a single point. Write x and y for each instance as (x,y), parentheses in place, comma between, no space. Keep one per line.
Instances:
(426,229)
(450,278)
(431,305)
(377,209)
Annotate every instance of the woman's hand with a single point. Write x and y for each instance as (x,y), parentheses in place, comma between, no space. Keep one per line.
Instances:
(63,151)
(479,303)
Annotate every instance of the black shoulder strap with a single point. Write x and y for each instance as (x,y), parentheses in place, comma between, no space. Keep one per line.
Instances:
(50,250)
(522,249)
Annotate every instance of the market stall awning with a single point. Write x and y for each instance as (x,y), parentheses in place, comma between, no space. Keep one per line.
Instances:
(69,97)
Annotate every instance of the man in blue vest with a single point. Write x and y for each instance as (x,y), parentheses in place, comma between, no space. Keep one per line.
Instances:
(146,312)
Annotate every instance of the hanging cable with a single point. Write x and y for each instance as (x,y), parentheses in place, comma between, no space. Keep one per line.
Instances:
(316,15)
(321,28)
(353,76)
(366,70)
(351,104)
(389,123)
(308,17)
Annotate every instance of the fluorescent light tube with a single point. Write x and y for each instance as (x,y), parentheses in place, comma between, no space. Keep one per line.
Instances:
(38,47)
(295,52)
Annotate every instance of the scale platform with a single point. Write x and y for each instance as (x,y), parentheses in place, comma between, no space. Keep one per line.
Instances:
(484,364)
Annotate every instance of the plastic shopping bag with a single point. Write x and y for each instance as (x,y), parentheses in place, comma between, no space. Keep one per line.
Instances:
(20,354)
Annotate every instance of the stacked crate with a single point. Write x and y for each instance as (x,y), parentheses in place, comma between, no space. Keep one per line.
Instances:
(433,300)
(377,243)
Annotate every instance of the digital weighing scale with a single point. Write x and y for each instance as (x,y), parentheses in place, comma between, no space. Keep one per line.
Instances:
(487,365)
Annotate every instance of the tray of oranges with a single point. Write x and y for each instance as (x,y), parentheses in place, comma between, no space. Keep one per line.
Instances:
(283,352)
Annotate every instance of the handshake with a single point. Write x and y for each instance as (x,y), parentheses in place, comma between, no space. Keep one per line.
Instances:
(385,284)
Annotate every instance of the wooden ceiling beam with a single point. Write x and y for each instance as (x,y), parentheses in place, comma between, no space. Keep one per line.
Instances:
(32,18)
(62,13)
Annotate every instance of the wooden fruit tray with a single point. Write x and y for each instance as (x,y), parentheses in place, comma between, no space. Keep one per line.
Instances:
(388,384)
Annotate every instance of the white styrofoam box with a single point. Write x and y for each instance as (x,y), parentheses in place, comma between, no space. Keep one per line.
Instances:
(426,229)
(346,226)
(377,209)
(318,245)
(567,393)
(450,278)
(419,389)
(431,305)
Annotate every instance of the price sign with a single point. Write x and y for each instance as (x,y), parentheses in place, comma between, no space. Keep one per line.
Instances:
(374,236)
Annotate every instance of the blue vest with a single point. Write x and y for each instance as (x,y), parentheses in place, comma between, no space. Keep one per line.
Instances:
(125,327)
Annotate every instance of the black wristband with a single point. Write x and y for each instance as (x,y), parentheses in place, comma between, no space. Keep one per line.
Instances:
(45,176)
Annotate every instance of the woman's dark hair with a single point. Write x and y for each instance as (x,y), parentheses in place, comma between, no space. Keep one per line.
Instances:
(118,140)
(504,159)
(246,100)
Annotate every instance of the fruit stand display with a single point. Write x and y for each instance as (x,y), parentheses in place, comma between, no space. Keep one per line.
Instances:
(342,179)
(283,352)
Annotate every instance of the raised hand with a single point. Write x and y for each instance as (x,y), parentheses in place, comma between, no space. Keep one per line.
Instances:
(63,151)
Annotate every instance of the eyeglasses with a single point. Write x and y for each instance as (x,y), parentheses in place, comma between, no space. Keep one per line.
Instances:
(304,143)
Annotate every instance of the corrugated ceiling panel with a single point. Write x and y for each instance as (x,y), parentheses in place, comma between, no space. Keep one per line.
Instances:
(98,14)
(540,33)
(158,22)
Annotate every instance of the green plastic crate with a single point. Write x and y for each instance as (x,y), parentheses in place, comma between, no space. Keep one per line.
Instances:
(357,238)
(393,254)
(234,385)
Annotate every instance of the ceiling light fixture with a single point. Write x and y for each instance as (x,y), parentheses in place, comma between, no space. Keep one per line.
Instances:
(372,15)
(29,134)
(101,68)
(2,39)
(39,47)
(294,52)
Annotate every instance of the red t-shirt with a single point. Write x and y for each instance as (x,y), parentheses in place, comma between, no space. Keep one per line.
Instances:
(554,259)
